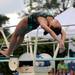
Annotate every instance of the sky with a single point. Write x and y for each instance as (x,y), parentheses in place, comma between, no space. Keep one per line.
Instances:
(11,6)
(10,9)
(13,21)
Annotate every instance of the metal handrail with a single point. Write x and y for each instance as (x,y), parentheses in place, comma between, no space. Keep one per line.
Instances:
(25,43)
(62,26)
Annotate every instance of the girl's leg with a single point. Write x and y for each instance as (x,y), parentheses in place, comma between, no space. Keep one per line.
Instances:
(16,38)
(14,43)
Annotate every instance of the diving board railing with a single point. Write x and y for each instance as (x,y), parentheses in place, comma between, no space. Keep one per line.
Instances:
(56,59)
(6,27)
(4,59)
(36,40)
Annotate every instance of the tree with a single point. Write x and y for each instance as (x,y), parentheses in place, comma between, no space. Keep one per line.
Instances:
(4,70)
(52,4)
(3,20)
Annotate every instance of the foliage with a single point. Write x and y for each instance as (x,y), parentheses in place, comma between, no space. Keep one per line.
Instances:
(73,39)
(4,68)
(45,48)
(41,48)
(52,4)
(20,50)
(3,19)
(4,65)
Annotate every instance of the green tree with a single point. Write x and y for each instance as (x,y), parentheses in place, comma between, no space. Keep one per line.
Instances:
(51,4)
(4,65)
(3,20)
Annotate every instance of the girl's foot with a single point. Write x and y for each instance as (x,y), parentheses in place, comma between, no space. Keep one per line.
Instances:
(4,53)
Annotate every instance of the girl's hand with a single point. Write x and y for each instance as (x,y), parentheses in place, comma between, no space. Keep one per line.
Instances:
(61,46)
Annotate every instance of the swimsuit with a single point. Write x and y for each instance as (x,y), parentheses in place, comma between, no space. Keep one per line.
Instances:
(32,22)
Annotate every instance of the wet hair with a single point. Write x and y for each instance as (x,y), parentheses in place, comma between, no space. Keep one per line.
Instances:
(56,30)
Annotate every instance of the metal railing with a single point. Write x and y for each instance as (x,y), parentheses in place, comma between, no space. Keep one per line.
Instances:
(41,42)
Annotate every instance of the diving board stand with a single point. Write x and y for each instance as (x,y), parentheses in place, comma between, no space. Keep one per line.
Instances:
(56,51)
